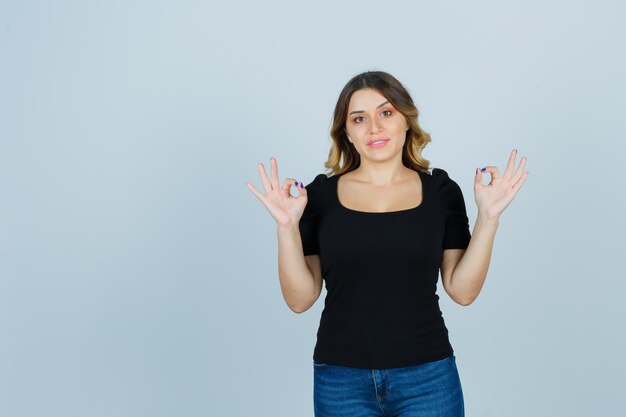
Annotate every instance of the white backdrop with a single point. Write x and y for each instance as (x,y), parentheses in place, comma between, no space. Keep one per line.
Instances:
(138,274)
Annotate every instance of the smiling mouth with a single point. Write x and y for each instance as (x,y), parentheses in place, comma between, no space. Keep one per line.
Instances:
(378,143)
(378,139)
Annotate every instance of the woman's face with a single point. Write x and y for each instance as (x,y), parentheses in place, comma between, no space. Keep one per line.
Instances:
(370,118)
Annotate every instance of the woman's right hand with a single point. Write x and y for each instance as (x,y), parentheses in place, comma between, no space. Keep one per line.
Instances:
(284,208)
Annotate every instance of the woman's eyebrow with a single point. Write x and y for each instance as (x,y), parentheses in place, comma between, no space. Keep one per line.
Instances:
(362,111)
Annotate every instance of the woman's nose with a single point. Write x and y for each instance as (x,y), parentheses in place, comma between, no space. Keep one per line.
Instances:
(375,125)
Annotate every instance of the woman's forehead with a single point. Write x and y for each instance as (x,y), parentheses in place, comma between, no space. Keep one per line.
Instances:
(364,100)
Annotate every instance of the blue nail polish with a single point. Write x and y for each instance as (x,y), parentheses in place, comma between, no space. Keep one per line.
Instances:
(296,183)
(484,169)
(301,185)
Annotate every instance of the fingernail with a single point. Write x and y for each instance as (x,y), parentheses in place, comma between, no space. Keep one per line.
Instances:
(301,185)
(483,170)
(296,183)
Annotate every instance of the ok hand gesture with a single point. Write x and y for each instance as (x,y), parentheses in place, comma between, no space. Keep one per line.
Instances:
(284,208)
(494,197)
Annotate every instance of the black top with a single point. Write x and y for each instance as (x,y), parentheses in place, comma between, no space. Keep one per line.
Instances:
(380,271)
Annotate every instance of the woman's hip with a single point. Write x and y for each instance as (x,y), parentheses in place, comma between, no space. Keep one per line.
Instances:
(429,389)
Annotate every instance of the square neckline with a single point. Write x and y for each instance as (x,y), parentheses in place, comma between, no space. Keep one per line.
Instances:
(408,210)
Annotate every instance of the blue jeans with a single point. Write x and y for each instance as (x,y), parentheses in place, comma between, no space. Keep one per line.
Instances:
(431,389)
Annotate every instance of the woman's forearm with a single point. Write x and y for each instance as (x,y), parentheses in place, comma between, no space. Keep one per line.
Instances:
(296,279)
(470,272)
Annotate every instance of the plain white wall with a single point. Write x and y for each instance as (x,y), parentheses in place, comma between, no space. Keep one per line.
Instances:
(138,274)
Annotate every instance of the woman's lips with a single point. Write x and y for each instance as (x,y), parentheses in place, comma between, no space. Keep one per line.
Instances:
(378,144)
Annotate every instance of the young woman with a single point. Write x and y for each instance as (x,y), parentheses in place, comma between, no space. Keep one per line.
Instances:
(378,230)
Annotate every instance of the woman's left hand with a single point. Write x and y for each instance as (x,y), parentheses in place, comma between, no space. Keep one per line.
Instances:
(494,197)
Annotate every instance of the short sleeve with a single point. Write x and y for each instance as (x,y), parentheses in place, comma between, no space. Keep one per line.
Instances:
(310,217)
(457,234)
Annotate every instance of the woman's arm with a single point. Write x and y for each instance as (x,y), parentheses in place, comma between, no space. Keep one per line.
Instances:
(468,275)
(297,282)
(298,276)
(464,280)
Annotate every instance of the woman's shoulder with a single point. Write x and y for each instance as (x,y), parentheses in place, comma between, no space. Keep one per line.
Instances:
(439,174)
(446,188)
(441,178)
(318,183)
(319,179)
(317,192)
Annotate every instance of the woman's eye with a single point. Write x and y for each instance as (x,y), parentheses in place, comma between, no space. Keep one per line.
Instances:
(360,117)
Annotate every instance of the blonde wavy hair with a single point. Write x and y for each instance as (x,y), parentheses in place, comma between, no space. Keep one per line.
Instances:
(343,157)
